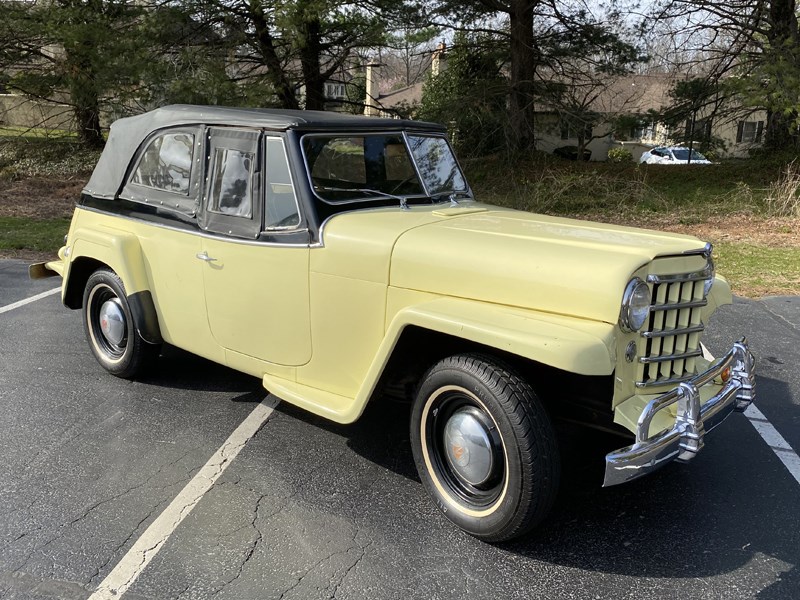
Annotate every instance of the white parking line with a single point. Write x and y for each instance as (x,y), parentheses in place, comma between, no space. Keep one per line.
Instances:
(774,440)
(14,305)
(122,577)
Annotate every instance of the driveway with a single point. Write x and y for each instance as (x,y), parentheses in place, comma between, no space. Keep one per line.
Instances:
(230,499)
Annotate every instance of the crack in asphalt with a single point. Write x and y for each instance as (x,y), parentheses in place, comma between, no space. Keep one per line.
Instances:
(778,317)
(64,527)
(251,551)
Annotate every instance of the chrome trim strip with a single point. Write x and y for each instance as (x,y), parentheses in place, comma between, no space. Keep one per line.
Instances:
(668,357)
(670,332)
(685,439)
(204,234)
(679,305)
(701,275)
(705,251)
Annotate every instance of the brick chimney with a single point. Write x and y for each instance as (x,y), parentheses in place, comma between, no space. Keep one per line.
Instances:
(371,101)
(439,59)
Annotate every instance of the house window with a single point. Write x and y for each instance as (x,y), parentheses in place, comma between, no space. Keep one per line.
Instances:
(335,90)
(644,131)
(570,131)
(702,129)
(750,132)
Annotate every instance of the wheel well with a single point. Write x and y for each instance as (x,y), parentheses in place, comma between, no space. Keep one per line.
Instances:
(79,272)
(582,398)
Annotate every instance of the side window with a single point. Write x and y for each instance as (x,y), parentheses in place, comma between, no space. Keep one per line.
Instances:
(281,203)
(232,182)
(166,164)
(232,195)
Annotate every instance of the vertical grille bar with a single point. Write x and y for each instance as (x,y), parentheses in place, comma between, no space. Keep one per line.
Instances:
(672,338)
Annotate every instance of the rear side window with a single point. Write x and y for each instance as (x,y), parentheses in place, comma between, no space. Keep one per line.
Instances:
(232,182)
(166,164)
(166,171)
(232,199)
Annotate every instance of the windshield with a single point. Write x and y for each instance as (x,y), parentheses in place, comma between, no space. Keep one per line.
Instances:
(350,168)
(683,154)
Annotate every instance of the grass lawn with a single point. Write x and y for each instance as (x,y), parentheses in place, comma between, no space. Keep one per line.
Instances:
(753,223)
(20,233)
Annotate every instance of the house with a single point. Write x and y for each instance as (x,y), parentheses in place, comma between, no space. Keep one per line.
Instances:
(598,115)
(398,103)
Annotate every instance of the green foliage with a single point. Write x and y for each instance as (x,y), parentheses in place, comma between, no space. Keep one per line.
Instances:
(546,184)
(28,234)
(693,101)
(470,95)
(620,155)
(28,154)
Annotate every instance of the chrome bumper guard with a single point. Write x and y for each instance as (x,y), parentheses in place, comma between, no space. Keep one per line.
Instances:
(693,421)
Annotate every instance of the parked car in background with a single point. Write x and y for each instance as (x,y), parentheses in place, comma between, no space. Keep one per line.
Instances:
(343,260)
(673,155)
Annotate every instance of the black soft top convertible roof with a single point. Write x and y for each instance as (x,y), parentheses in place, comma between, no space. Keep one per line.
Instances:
(127,134)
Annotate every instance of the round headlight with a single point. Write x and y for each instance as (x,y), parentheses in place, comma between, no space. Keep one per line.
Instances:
(635,305)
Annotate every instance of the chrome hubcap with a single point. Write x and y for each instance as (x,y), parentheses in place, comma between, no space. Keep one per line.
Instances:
(112,321)
(468,446)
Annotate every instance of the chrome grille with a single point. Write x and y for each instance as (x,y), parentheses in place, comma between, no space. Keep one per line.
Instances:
(671,344)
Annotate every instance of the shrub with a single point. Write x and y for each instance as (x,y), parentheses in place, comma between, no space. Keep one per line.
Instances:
(782,197)
(620,155)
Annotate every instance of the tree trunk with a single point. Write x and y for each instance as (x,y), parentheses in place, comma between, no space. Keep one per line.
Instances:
(783,40)
(310,51)
(284,89)
(523,71)
(84,94)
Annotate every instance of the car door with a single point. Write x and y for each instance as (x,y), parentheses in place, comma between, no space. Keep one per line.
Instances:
(256,252)
(164,185)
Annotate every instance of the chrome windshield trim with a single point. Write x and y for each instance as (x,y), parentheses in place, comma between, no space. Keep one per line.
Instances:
(416,166)
(399,133)
(668,357)
(670,332)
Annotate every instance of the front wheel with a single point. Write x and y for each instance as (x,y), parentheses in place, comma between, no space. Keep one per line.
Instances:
(484,447)
(111,328)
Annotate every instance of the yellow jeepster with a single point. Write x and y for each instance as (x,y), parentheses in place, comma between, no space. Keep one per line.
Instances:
(343,259)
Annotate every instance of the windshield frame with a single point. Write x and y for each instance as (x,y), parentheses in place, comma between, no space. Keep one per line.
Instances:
(375,197)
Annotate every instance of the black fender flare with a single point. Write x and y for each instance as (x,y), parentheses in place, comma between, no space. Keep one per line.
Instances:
(144,315)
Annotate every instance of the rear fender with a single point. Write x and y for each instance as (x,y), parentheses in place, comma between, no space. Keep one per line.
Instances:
(121,252)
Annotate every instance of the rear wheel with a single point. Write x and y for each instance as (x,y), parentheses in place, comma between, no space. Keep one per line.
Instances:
(111,329)
(484,447)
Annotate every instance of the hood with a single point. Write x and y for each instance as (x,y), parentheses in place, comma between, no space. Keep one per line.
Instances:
(551,264)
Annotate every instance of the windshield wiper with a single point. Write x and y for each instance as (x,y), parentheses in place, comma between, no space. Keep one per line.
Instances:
(403,201)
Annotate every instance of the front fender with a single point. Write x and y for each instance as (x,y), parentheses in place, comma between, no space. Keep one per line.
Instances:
(575,345)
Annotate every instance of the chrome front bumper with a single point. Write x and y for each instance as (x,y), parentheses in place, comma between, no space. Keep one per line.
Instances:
(736,369)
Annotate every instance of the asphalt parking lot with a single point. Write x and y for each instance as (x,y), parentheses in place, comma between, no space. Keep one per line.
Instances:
(309,510)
